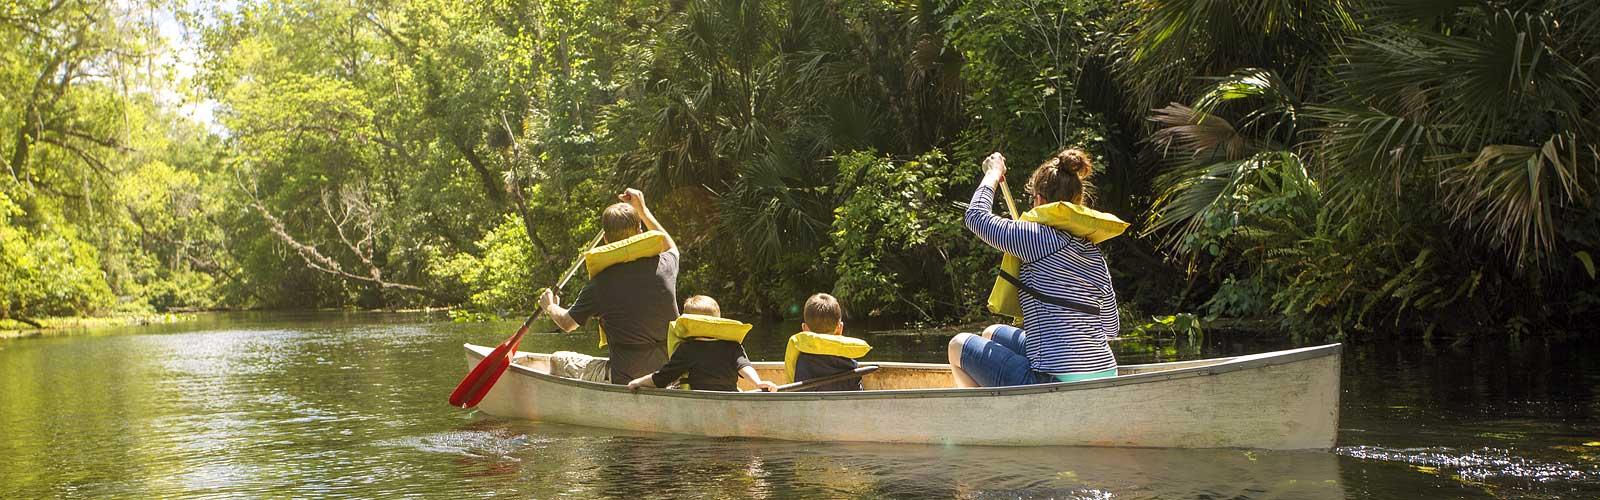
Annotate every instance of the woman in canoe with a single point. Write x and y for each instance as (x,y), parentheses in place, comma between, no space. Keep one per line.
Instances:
(1066,297)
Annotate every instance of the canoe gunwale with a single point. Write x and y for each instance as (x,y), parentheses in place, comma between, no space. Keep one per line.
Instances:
(1233,364)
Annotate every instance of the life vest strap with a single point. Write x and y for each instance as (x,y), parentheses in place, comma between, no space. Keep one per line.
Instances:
(1042,297)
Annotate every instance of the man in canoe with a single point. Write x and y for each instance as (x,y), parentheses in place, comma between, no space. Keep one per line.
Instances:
(1063,284)
(632,290)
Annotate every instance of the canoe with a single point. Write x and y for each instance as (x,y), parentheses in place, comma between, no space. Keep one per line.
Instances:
(1284,400)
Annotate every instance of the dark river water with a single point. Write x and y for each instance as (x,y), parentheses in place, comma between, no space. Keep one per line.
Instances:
(353,405)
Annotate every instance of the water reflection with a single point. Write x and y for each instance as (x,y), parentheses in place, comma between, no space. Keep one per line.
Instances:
(351,405)
(590,462)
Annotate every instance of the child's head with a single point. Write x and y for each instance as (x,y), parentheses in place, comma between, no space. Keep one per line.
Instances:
(823,315)
(702,305)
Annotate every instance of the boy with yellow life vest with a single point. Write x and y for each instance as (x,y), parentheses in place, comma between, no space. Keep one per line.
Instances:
(632,289)
(822,349)
(707,349)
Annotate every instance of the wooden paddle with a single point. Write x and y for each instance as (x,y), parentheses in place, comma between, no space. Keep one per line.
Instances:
(476,385)
(1011,204)
(856,373)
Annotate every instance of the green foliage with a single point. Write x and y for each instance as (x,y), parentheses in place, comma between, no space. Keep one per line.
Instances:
(1175,336)
(898,240)
(1414,161)
(1025,64)
(500,280)
(1345,166)
(48,273)
(101,207)
(1186,325)
(1238,299)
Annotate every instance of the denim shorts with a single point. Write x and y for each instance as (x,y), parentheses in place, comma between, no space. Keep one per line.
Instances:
(1000,360)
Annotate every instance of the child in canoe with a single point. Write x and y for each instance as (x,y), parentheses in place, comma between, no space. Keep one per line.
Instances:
(822,349)
(706,348)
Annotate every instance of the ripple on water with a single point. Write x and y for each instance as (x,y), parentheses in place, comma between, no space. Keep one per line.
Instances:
(469,443)
(1482,464)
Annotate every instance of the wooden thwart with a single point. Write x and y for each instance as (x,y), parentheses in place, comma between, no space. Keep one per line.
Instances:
(856,373)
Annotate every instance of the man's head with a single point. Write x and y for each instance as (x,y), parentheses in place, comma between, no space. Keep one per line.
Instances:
(702,305)
(619,222)
(822,314)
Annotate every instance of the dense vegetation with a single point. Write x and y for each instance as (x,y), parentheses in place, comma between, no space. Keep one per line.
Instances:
(1342,165)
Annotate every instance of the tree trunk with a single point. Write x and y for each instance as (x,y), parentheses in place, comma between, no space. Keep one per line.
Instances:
(521,204)
(19,154)
(491,182)
(28,322)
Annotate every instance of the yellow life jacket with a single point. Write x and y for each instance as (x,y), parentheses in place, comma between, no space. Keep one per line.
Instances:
(1077,220)
(696,325)
(638,246)
(817,343)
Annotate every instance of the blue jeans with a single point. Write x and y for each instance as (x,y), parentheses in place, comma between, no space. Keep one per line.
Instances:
(1000,360)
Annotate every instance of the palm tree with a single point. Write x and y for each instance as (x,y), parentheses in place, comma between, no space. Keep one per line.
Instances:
(1464,123)
(1493,106)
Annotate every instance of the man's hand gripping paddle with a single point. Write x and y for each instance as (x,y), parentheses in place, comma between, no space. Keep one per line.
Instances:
(476,385)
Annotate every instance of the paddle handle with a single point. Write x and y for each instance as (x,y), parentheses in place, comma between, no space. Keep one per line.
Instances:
(856,373)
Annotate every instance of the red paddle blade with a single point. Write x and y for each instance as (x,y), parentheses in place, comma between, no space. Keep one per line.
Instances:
(477,383)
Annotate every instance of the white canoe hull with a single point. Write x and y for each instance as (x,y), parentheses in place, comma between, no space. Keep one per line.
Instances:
(1279,400)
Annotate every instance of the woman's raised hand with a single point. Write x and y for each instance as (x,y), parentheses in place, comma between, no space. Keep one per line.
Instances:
(994,168)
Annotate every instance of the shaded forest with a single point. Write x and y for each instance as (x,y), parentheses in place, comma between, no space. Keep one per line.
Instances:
(1340,166)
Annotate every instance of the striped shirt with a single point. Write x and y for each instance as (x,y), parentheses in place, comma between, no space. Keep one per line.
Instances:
(1060,341)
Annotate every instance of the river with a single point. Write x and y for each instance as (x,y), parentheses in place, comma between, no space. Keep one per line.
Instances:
(353,405)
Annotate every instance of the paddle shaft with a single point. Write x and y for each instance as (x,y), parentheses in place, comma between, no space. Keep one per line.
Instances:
(572,270)
(561,284)
(477,383)
(856,373)
(1011,203)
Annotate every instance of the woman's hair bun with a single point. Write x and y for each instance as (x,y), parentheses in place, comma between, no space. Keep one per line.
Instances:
(1076,161)
(1063,176)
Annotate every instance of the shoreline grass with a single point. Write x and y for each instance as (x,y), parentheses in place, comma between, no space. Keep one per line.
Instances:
(15,329)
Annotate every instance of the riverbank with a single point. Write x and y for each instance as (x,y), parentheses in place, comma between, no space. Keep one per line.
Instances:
(65,324)
(16,329)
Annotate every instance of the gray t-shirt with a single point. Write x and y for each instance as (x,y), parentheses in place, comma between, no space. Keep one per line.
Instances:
(634,300)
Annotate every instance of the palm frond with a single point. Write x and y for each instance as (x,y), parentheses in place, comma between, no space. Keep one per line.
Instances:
(1509,194)
(1197,136)
(1428,12)
(1275,99)
(1202,190)
(1368,153)
(1169,41)
(1496,79)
